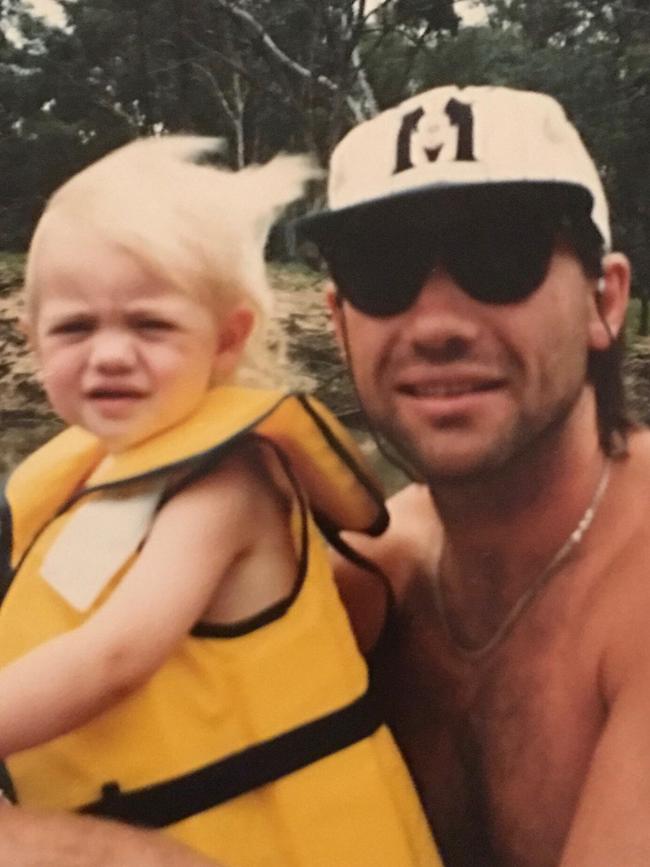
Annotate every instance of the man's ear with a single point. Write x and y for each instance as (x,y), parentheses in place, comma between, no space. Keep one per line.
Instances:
(334,302)
(234,331)
(610,301)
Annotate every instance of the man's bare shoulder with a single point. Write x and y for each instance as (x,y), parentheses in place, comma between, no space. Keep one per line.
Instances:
(611,825)
(621,598)
(639,447)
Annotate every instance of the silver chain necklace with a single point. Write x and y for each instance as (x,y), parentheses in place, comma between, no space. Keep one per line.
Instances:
(532,590)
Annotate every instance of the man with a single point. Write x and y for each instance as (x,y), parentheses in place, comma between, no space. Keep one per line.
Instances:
(479,313)
(478,305)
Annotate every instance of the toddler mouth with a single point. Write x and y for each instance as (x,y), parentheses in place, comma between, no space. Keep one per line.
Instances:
(114,394)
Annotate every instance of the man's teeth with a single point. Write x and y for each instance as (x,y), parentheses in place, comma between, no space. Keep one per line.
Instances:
(444,390)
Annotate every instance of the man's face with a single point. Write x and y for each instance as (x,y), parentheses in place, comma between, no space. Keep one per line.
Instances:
(460,386)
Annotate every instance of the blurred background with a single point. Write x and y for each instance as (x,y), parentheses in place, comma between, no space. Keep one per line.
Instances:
(80,77)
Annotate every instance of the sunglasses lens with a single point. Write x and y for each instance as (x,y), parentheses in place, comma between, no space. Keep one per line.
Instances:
(495,259)
(378,275)
(500,262)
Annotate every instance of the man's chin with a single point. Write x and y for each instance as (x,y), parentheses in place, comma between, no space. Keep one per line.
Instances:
(457,464)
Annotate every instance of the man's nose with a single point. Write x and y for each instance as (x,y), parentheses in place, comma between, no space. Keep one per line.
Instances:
(112,349)
(444,319)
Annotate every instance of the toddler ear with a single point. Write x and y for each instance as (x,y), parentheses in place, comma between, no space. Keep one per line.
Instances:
(234,331)
(26,329)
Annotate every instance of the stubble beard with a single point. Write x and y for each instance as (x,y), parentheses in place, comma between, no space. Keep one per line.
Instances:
(529,435)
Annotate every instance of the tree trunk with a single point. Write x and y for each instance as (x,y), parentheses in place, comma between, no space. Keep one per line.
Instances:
(182,64)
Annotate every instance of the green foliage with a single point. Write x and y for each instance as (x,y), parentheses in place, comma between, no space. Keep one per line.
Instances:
(275,75)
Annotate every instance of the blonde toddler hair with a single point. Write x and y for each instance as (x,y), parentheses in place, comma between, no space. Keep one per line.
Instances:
(201,228)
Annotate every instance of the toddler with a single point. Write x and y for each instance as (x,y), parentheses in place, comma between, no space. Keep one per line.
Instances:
(175,652)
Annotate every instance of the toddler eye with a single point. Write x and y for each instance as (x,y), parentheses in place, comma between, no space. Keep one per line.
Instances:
(153,325)
(71,327)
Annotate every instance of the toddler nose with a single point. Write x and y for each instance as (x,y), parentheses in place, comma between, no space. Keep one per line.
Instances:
(113,350)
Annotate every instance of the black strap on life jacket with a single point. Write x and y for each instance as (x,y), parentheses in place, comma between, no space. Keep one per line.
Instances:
(179,798)
(6,575)
(6,542)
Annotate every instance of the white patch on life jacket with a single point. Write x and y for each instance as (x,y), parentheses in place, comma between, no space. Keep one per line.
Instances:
(97,540)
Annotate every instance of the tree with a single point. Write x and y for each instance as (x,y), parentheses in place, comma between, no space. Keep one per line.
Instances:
(272,75)
(268,76)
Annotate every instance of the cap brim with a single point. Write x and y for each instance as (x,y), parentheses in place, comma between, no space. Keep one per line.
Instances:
(440,204)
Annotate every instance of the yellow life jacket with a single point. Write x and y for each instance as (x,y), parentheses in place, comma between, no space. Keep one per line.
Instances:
(258,743)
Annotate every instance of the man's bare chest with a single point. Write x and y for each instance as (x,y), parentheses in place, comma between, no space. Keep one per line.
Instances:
(498,747)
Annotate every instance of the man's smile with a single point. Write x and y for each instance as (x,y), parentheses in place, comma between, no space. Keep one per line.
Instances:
(441,382)
(447,389)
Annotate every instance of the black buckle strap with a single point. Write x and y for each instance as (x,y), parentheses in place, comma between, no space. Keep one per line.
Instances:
(171,801)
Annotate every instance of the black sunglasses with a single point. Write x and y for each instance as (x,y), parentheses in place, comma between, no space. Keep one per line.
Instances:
(495,259)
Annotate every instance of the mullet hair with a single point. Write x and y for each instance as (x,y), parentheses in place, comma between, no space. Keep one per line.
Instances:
(605,366)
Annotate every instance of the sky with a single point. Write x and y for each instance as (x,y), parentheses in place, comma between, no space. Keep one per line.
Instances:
(470,12)
(49,9)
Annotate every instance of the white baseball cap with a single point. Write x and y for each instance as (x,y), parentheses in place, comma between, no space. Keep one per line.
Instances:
(442,141)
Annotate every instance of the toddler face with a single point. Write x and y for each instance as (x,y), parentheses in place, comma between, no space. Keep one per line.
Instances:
(122,353)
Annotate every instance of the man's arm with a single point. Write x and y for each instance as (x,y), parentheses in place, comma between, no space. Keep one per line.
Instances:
(612,822)
(31,839)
